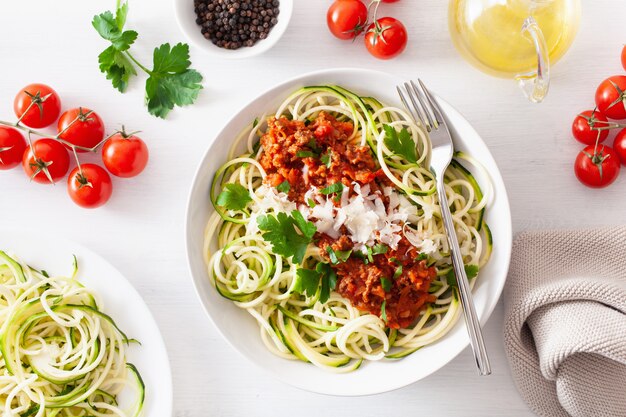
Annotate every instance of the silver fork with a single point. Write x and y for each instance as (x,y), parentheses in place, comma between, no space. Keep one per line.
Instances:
(426,111)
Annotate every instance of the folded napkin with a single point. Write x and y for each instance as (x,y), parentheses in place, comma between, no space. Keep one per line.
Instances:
(565,323)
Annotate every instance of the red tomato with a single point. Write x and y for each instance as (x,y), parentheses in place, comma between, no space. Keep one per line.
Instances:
(597,168)
(346,18)
(37,105)
(583,127)
(89,186)
(624,57)
(81,127)
(125,156)
(611,97)
(619,145)
(46,162)
(12,145)
(386,38)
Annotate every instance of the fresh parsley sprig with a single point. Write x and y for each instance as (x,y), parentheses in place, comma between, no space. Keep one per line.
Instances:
(400,144)
(289,235)
(308,281)
(170,81)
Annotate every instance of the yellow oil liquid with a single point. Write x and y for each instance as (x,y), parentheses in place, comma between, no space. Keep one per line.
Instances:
(488,33)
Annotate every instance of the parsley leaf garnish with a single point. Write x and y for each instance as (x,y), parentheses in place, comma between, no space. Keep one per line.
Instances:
(309,280)
(379,249)
(170,83)
(400,144)
(386,284)
(311,203)
(305,154)
(289,234)
(333,188)
(337,256)
(284,187)
(234,197)
(383,311)
(422,257)
(470,270)
(327,158)
(398,272)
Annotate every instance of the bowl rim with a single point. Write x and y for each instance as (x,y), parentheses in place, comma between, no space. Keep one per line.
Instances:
(505,245)
(189,28)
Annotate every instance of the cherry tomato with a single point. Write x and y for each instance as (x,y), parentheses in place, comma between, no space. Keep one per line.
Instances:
(597,168)
(611,97)
(386,38)
(624,57)
(87,131)
(37,105)
(619,145)
(125,156)
(346,18)
(89,186)
(583,125)
(12,145)
(46,162)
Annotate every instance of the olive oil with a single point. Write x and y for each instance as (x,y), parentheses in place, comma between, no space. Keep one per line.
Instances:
(489,33)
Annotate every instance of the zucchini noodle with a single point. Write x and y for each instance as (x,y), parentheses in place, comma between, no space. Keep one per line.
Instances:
(61,355)
(335,335)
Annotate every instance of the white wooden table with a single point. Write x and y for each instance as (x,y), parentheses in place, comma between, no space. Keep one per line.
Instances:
(141,229)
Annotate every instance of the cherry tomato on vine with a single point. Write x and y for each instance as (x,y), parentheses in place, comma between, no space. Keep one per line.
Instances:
(125,155)
(583,125)
(46,162)
(619,145)
(81,127)
(37,105)
(386,38)
(12,145)
(89,186)
(611,97)
(346,18)
(624,57)
(597,168)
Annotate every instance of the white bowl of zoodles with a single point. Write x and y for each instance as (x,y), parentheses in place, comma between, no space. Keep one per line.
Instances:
(275,289)
(233,28)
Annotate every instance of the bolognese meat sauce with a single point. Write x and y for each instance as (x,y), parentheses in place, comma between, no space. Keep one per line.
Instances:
(319,154)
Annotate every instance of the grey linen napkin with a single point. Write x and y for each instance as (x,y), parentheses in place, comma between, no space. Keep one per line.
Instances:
(565,321)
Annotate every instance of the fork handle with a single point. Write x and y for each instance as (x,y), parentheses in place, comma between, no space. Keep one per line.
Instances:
(465,292)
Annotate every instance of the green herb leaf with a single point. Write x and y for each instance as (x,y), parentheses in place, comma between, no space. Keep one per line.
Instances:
(370,258)
(400,144)
(171,82)
(112,61)
(313,145)
(289,234)
(470,270)
(305,154)
(379,249)
(337,256)
(386,284)
(284,187)
(327,158)
(329,280)
(422,257)
(333,188)
(311,202)
(397,272)
(383,311)
(234,197)
(307,281)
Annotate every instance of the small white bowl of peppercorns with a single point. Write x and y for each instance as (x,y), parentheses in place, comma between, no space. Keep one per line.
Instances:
(233,28)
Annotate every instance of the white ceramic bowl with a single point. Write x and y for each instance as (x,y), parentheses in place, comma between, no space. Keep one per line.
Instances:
(241,330)
(186,17)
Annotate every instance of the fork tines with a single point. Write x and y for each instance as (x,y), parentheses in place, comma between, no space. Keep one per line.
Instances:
(423,107)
